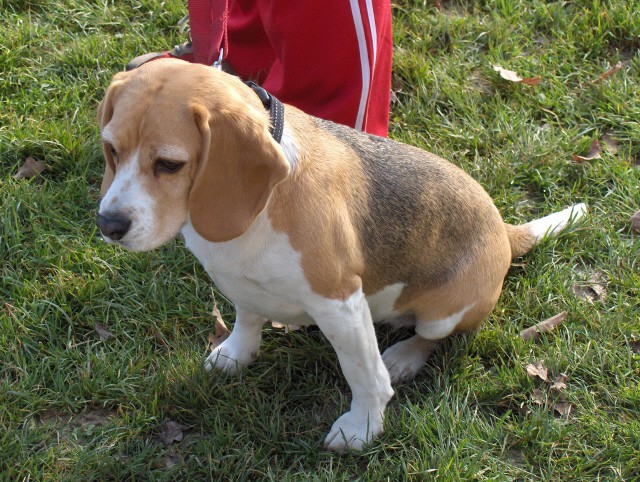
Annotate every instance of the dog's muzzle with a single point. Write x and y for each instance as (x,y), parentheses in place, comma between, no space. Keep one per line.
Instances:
(113,226)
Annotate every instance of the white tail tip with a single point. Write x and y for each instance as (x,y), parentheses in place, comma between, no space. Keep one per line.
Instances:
(553,224)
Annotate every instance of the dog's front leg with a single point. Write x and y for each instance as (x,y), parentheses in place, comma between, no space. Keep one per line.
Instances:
(242,346)
(348,326)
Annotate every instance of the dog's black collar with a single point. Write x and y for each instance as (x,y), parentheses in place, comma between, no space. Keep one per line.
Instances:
(275,108)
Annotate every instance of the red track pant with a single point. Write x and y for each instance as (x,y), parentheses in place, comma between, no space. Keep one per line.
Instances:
(330,58)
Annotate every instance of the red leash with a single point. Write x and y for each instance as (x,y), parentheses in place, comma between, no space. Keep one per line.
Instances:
(208,22)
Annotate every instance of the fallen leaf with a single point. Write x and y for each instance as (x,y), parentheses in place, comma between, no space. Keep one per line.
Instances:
(507,74)
(511,76)
(103,333)
(538,396)
(562,408)
(533,332)
(221,330)
(171,432)
(594,153)
(609,72)
(537,370)
(532,80)
(30,168)
(593,289)
(438,5)
(287,328)
(559,383)
(170,458)
(220,335)
(635,221)
(612,145)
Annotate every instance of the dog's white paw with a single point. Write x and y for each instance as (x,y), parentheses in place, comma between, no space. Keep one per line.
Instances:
(353,430)
(406,358)
(229,359)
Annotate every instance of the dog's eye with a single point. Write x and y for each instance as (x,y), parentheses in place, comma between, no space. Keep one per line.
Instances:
(114,153)
(167,166)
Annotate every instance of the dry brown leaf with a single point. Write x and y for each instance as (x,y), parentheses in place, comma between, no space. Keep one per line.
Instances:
(171,432)
(511,76)
(612,144)
(593,289)
(538,396)
(30,168)
(562,408)
(609,72)
(635,221)
(507,74)
(216,311)
(537,370)
(438,5)
(594,153)
(170,458)
(532,80)
(287,328)
(533,332)
(559,383)
(221,330)
(103,333)
(589,292)
(220,335)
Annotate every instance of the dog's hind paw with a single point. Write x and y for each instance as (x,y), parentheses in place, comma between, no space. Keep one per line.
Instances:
(406,358)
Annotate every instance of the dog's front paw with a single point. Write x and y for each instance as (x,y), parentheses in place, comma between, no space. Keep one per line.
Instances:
(353,430)
(229,359)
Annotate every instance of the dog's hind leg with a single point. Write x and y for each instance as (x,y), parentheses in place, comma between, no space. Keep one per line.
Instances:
(407,357)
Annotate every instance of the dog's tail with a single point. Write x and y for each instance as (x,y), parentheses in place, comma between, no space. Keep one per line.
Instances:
(525,236)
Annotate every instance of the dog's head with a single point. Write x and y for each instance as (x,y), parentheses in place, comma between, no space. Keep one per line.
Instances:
(183,141)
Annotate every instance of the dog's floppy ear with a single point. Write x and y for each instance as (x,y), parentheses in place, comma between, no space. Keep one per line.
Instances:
(240,163)
(105,112)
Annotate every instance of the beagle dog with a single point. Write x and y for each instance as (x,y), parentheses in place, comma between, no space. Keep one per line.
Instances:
(325,225)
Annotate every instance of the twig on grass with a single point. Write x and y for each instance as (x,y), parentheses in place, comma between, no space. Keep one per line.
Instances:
(533,332)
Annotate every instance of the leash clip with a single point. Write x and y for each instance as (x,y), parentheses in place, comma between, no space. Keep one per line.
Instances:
(218,63)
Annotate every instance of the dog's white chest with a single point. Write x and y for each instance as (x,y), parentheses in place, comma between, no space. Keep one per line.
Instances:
(259,270)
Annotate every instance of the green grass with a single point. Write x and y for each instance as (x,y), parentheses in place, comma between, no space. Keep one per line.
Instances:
(75,407)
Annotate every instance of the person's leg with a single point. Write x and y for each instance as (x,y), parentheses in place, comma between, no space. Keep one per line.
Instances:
(332,59)
(250,55)
(377,111)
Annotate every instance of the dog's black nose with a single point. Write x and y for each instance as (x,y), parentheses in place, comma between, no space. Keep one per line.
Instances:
(114,226)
